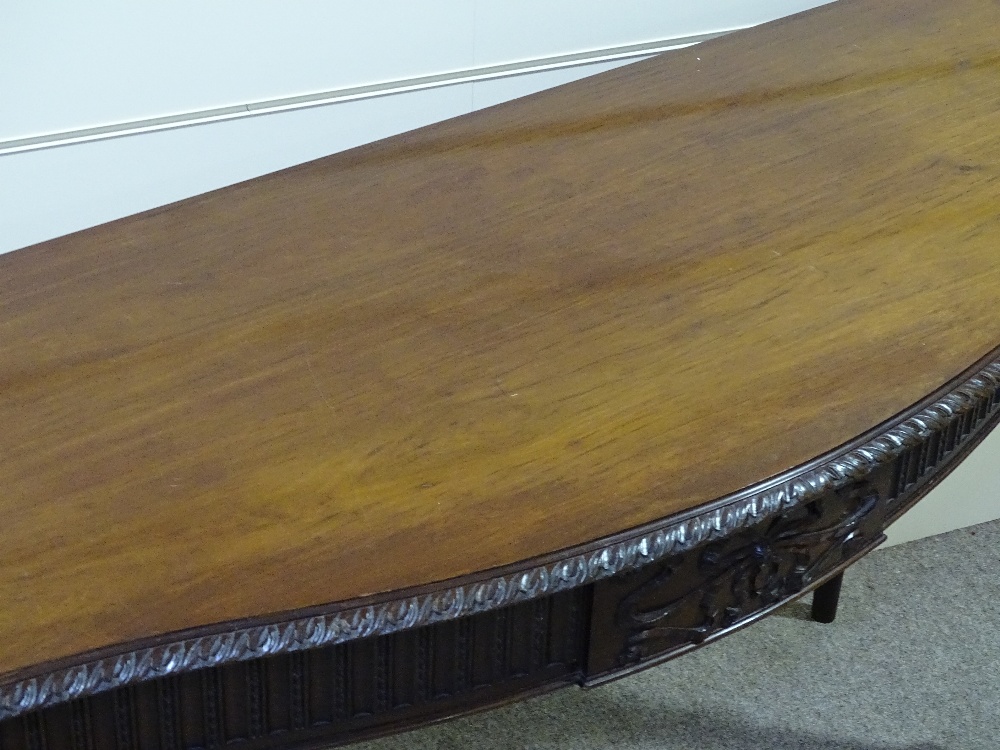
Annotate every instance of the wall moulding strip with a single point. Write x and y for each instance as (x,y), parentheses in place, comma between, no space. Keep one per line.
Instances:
(336,96)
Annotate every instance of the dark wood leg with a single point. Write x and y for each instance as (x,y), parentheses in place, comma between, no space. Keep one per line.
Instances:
(824,608)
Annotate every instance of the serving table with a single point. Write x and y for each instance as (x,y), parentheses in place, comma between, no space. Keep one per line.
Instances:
(533,397)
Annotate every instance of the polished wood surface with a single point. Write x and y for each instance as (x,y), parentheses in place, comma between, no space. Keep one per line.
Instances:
(500,336)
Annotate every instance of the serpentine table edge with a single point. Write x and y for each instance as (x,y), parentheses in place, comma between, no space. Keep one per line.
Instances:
(876,161)
(584,616)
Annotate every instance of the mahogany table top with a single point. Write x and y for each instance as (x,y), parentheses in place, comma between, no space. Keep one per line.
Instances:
(501,336)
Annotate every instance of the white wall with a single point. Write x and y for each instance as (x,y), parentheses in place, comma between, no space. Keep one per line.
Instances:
(71,65)
(67,69)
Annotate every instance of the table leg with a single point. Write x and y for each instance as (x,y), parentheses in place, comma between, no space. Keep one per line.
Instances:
(824,605)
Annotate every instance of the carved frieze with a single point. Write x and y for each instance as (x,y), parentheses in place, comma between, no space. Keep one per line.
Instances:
(320,696)
(685,599)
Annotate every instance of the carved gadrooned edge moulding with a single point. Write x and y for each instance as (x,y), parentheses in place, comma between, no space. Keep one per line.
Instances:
(451,602)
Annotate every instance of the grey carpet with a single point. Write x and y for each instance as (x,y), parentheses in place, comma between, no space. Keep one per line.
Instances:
(911,663)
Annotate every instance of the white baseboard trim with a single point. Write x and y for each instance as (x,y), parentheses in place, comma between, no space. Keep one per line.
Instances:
(323,98)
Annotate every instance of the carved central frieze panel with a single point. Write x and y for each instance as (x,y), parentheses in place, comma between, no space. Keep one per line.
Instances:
(686,599)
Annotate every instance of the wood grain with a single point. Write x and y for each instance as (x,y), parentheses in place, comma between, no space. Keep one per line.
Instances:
(500,336)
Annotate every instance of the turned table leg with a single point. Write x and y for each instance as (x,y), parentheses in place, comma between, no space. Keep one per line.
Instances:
(824,606)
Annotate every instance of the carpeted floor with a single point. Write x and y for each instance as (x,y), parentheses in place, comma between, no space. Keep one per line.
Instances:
(912,663)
